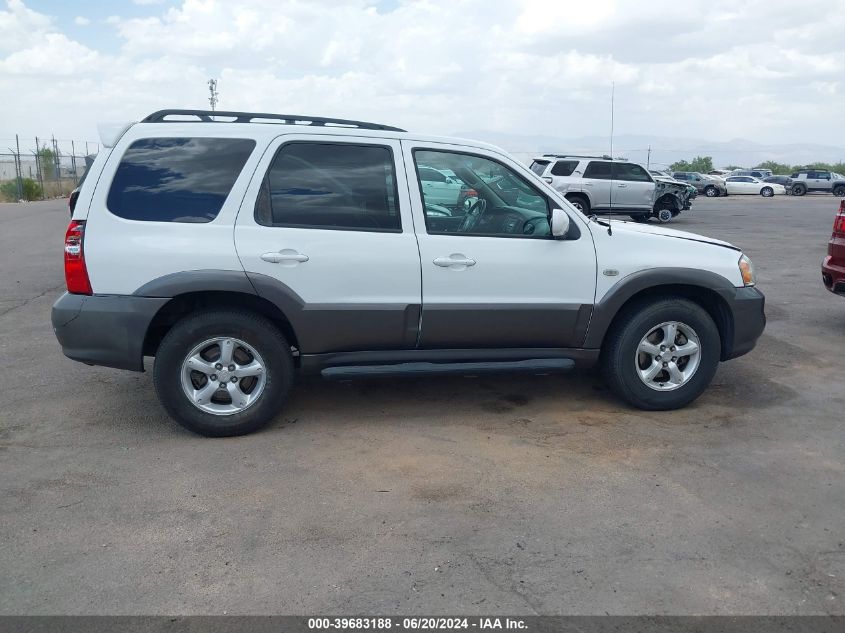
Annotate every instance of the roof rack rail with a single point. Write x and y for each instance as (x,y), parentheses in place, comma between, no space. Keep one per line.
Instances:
(602,156)
(205,116)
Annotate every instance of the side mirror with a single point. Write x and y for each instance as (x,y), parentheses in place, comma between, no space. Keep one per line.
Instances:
(560,223)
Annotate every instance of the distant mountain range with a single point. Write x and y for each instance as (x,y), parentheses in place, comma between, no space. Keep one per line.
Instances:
(664,149)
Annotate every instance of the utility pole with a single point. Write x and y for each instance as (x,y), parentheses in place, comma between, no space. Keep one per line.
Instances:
(648,160)
(212,93)
(18,168)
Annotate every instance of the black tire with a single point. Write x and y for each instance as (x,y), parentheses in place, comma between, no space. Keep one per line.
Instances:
(767,192)
(710,191)
(799,190)
(579,202)
(839,191)
(619,352)
(252,329)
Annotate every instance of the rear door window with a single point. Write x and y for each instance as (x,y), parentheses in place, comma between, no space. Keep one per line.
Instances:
(177,179)
(564,167)
(341,186)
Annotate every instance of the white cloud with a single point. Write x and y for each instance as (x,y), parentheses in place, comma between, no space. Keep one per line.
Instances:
(534,67)
(80,20)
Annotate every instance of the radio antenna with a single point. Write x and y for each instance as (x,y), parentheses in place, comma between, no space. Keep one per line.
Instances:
(612,164)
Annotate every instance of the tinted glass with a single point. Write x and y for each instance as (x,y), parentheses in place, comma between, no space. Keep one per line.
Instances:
(494,201)
(680,176)
(539,166)
(331,186)
(564,167)
(598,169)
(177,179)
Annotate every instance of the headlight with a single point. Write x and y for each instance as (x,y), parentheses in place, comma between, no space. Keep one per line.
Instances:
(746,269)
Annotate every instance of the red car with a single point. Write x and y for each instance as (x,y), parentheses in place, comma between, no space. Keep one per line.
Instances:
(833,266)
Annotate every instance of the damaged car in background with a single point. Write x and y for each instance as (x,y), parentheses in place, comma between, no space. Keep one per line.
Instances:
(606,185)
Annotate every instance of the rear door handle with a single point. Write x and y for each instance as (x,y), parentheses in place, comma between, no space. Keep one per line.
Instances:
(287,255)
(621,185)
(455,260)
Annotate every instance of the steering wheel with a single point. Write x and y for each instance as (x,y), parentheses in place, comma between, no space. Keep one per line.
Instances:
(473,215)
(536,226)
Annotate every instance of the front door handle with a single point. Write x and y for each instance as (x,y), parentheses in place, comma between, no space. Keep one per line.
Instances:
(457,261)
(621,185)
(287,255)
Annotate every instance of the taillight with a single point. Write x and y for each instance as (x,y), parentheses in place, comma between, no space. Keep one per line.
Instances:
(76,274)
(839,221)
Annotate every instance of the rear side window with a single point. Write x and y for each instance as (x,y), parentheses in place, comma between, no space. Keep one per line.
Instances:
(177,179)
(539,166)
(564,167)
(331,186)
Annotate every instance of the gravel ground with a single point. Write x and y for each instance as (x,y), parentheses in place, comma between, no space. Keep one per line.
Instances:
(508,494)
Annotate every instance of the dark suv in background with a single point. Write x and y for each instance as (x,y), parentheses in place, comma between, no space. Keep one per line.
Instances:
(709,186)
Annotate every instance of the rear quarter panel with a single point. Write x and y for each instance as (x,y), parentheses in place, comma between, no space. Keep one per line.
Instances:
(122,255)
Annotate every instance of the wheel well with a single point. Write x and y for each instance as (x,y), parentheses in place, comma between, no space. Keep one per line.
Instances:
(182,305)
(667,198)
(581,195)
(708,299)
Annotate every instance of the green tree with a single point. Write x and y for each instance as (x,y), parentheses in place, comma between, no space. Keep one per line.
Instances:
(31,190)
(701,164)
(781,169)
(47,158)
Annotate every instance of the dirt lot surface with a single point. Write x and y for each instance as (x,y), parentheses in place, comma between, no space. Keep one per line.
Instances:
(508,494)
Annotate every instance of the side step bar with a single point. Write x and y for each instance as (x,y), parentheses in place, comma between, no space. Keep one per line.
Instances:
(534,366)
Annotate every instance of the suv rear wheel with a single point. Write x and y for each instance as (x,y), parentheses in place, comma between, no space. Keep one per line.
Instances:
(661,355)
(710,191)
(579,202)
(223,373)
(839,190)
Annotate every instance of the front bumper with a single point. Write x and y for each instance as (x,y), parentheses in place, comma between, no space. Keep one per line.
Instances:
(106,330)
(747,306)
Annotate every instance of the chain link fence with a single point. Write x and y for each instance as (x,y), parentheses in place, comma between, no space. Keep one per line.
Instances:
(41,168)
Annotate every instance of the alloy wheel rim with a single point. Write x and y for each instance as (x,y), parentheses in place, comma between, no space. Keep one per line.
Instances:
(668,356)
(223,376)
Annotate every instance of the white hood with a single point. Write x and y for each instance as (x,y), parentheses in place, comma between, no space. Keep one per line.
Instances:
(637,227)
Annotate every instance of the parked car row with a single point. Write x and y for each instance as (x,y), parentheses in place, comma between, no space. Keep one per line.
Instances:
(798,183)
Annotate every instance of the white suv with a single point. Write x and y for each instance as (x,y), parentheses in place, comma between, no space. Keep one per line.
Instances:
(601,184)
(238,253)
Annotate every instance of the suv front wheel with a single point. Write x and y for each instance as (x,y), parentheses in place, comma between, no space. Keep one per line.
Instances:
(223,373)
(661,355)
